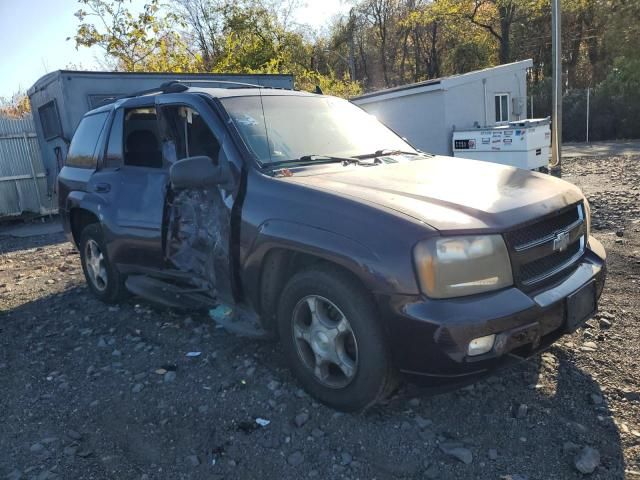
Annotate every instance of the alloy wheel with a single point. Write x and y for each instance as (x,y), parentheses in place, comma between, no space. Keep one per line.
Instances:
(325,341)
(95,263)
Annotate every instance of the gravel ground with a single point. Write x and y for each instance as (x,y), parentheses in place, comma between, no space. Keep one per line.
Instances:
(92,391)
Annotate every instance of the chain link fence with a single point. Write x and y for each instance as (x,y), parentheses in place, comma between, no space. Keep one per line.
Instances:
(590,114)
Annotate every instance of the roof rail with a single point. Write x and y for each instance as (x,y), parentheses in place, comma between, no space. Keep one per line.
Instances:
(171,86)
(177,86)
(223,82)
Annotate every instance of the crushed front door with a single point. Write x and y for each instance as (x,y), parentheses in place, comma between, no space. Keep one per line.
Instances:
(197,222)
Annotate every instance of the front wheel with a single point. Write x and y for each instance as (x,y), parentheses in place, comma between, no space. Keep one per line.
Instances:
(333,341)
(102,277)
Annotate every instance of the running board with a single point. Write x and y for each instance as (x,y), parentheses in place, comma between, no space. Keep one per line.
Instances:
(236,319)
(168,294)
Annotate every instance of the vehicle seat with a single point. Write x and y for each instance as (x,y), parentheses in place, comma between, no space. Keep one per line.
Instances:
(142,149)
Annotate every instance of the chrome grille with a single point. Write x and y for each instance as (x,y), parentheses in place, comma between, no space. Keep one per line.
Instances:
(545,250)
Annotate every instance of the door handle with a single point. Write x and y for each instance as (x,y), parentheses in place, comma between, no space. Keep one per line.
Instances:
(102,187)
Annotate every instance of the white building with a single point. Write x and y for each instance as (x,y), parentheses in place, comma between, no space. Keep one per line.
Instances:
(428,112)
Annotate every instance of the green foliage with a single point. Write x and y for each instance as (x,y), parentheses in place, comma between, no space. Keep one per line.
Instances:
(383,43)
(147,41)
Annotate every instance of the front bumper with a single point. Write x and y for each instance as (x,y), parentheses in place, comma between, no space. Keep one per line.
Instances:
(429,338)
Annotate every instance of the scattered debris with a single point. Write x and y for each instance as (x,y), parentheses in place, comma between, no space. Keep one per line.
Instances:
(262,422)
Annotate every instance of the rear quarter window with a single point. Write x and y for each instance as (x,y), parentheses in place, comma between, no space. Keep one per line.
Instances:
(85,140)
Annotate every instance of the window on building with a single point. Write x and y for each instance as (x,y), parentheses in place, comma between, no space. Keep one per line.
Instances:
(502,107)
(50,120)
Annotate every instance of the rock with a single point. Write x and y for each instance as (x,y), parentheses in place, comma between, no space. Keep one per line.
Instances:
(317,433)
(522,411)
(193,460)
(295,459)
(604,323)
(73,435)
(422,422)
(14,475)
(116,353)
(102,343)
(85,453)
(587,460)
(456,450)
(137,388)
(596,399)
(427,435)
(570,447)
(631,395)
(493,454)
(70,450)
(301,419)
(345,458)
(619,233)
(432,472)
(170,376)
(414,402)
(37,448)
(514,476)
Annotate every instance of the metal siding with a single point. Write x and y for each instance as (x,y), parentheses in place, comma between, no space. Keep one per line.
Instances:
(19,160)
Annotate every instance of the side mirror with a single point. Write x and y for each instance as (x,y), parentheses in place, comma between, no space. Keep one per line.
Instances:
(196,172)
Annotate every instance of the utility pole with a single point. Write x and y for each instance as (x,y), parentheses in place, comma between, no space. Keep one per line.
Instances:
(556,112)
(588,95)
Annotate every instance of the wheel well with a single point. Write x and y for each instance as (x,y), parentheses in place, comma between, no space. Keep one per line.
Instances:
(278,267)
(79,219)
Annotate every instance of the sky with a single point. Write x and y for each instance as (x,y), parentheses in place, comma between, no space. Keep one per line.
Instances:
(33,38)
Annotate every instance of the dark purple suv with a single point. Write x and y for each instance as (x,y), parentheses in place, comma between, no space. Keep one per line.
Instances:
(300,216)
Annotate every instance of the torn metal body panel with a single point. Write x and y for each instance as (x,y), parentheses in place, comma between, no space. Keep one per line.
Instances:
(198,237)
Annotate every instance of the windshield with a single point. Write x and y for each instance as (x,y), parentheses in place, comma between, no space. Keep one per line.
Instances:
(288,127)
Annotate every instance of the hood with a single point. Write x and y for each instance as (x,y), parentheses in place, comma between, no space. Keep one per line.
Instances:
(449,193)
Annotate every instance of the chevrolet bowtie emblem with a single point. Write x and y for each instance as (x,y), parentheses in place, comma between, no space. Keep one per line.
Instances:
(561,242)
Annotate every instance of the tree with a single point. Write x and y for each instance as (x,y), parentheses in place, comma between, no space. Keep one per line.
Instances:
(16,106)
(146,41)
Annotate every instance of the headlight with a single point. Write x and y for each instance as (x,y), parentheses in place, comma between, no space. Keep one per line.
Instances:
(587,216)
(456,266)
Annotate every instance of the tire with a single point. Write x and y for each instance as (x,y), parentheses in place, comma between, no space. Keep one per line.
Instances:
(108,285)
(362,373)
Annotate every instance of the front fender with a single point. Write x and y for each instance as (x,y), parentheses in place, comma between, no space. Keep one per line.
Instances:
(327,245)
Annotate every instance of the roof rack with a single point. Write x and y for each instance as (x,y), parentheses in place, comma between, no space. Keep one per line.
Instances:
(171,86)
(223,82)
(177,86)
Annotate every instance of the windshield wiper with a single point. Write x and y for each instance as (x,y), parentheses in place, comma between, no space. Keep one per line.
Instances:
(310,159)
(385,151)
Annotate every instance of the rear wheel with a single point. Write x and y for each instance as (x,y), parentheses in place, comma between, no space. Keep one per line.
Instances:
(333,340)
(103,279)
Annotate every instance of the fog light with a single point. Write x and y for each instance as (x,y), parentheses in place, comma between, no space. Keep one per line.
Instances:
(481,345)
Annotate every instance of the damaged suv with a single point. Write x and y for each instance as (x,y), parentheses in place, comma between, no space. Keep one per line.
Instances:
(300,216)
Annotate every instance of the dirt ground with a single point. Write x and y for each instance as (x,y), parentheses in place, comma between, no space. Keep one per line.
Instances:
(89,391)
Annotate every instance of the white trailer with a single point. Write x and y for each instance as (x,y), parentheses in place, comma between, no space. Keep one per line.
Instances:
(524,144)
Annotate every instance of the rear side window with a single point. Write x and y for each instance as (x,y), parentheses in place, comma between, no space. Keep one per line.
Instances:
(85,140)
